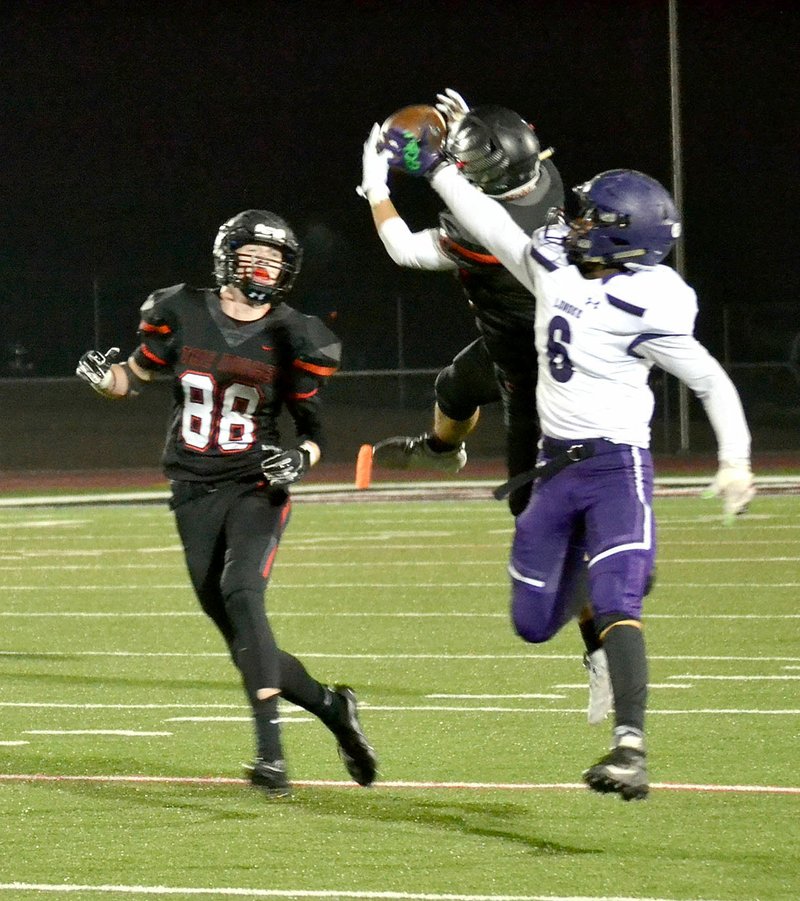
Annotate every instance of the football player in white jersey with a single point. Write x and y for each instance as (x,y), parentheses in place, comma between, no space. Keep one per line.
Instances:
(606,311)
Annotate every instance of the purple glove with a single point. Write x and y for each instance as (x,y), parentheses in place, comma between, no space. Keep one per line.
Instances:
(412,155)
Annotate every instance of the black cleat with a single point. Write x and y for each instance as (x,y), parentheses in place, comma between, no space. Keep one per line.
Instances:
(623,770)
(270,777)
(356,752)
(407,452)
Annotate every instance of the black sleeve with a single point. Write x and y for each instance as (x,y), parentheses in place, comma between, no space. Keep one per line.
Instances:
(158,341)
(316,357)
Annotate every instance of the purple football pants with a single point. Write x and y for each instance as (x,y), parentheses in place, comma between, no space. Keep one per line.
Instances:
(599,511)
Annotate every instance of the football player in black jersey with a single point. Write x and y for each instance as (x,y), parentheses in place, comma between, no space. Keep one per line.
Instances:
(499,152)
(237,355)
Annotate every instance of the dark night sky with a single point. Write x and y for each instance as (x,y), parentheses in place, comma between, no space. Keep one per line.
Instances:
(129,135)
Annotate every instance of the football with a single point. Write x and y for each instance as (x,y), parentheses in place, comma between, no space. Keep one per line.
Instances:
(416,119)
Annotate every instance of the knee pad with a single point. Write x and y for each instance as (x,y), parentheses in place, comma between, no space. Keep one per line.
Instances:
(534,614)
(450,396)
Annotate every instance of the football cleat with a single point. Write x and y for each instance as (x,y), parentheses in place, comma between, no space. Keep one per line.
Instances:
(406,452)
(356,752)
(270,777)
(623,770)
(601,694)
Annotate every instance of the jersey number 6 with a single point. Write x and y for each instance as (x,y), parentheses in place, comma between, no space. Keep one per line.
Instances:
(558,336)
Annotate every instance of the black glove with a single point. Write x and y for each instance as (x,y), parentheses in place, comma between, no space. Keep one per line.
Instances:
(94,367)
(284,467)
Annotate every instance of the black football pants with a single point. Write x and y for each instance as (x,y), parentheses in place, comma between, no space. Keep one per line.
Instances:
(473,380)
(230,534)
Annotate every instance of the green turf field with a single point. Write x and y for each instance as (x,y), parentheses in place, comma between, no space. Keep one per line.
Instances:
(108,672)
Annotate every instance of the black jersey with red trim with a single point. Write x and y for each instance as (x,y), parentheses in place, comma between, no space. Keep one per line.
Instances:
(504,308)
(231,379)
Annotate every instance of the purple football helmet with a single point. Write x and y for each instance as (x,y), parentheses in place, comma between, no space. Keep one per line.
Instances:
(626,218)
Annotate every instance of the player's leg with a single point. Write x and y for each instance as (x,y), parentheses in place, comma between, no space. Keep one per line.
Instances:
(461,389)
(518,396)
(254,528)
(337,707)
(200,517)
(545,557)
(621,548)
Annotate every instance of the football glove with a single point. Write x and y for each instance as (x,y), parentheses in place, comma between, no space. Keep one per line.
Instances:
(284,467)
(94,367)
(452,106)
(412,155)
(734,484)
(374,169)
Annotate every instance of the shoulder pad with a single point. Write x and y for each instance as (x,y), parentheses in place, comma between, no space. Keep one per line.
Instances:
(659,296)
(160,297)
(314,344)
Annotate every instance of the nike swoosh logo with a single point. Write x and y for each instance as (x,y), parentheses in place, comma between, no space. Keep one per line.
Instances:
(266,347)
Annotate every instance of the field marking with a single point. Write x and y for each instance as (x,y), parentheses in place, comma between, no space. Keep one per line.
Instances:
(366,564)
(363,895)
(305,586)
(736,678)
(389,708)
(650,685)
(529,657)
(235,719)
(534,697)
(367,614)
(125,733)
(392,784)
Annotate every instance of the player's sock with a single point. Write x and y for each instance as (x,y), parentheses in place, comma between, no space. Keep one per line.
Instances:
(623,643)
(589,635)
(268,730)
(440,447)
(298,687)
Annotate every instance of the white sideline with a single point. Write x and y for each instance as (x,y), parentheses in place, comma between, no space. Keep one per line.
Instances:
(665,486)
(399,784)
(301,893)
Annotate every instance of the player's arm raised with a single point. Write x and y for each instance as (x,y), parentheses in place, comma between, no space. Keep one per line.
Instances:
(484,218)
(413,250)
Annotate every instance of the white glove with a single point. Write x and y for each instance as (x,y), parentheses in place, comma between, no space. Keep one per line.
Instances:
(734,484)
(374,169)
(94,367)
(452,106)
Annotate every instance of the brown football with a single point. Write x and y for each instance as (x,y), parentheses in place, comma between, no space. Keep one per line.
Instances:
(416,118)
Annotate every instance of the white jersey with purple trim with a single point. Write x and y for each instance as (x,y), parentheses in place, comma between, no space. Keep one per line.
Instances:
(590,337)
(597,339)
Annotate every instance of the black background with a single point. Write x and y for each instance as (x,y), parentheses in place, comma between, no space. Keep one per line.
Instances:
(131,131)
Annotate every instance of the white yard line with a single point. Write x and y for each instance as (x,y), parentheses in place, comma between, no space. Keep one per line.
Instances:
(406,708)
(395,784)
(218,892)
(366,614)
(529,657)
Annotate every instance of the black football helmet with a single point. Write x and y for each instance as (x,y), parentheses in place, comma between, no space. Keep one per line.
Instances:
(256,227)
(496,150)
